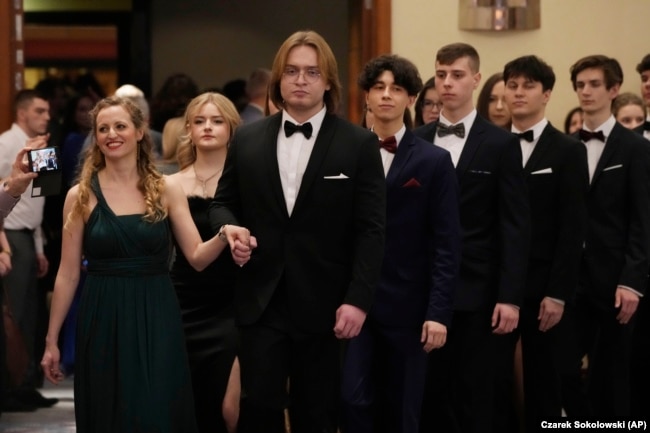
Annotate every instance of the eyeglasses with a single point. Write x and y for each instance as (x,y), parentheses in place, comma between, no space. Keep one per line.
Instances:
(311,75)
(429,105)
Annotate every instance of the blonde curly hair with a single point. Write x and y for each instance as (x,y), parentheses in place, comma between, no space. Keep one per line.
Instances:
(186,154)
(151,182)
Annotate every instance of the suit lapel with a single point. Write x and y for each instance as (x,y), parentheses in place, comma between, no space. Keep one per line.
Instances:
(318,153)
(539,150)
(270,145)
(608,151)
(402,156)
(471,146)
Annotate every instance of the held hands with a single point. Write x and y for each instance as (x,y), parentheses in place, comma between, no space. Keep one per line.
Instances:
(50,364)
(434,335)
(349,320)
(504,318)
(550,313)
(627,301)
(21,175)
(241,243)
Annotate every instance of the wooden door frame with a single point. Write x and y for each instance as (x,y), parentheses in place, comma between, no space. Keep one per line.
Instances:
(369,36)
(10,81)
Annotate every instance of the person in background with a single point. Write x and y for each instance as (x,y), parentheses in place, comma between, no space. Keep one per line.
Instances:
(13,186)
(629,110)
(385,365)
(491,104)
(171,99)
(428,104)
(257,87)
(24,232)
(207,298)
(311,187)
(131,368)
(136,95)
(573,121)
(641,334)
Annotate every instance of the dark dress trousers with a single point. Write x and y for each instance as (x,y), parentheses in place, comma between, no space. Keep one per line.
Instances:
(615,254)
(495,222)
(384,368)
(557,177)
(328,252)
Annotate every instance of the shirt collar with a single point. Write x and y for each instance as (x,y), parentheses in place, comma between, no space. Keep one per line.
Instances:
(605,127)
(316,120)
(468,120)
(537,129)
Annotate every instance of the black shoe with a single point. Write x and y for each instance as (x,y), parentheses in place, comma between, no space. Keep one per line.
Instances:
(34,398)
(13,405)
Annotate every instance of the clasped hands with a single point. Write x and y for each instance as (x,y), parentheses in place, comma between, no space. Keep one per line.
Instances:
(241,243)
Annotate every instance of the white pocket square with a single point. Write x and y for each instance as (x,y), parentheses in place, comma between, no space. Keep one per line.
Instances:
(613,167)
(340,176)
(543,171)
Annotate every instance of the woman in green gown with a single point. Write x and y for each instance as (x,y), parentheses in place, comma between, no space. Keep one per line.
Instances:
(131,369)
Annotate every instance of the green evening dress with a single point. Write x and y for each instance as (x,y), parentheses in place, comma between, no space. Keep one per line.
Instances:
(131,368)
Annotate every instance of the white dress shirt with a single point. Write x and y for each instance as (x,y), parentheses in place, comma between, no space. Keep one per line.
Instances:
(28,212)
(595,147)
(646,134)
(527,147)
(452,143)
(293,155)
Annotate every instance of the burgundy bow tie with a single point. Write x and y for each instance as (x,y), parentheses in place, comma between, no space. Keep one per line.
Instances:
(389,144)
(588,135)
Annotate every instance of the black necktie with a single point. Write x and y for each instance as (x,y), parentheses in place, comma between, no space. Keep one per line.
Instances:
(646,125)
(588,135)
(529,136)
(389,144)
(457,130)
(290,128)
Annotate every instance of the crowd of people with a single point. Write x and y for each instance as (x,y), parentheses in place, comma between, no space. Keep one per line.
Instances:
(254,263)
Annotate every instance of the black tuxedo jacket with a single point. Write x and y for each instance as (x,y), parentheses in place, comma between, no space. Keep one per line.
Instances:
(618,232)
(494,214)
(557,176)
(329,251)
(422,255)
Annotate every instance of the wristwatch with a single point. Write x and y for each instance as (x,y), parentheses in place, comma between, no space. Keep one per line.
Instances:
(222,234)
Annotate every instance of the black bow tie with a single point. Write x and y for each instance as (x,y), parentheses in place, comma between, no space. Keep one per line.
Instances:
(389,144)
(646,125)
(290,128)
(588,135)
(457,130)
(529,136)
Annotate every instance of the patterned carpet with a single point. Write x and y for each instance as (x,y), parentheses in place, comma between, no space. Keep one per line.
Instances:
(57,419)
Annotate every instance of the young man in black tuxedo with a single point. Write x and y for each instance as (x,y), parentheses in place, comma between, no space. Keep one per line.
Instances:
(643,68)
(310,186)
(384,367)
(555,166)
(495,222)
(614,267)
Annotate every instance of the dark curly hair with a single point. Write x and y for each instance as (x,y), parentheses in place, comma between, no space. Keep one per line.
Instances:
(404,71)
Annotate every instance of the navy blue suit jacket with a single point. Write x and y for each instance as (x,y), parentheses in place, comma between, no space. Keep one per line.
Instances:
(494,214)
(422,250)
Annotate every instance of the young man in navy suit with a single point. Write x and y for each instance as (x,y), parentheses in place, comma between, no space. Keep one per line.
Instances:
(495,222)
(384,367)
(614,268)
(555,166)
(311,188)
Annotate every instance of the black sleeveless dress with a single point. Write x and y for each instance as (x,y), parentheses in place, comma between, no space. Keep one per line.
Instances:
(131,369)
(206,300)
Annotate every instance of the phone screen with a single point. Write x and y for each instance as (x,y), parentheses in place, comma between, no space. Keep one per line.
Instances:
(44,160)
